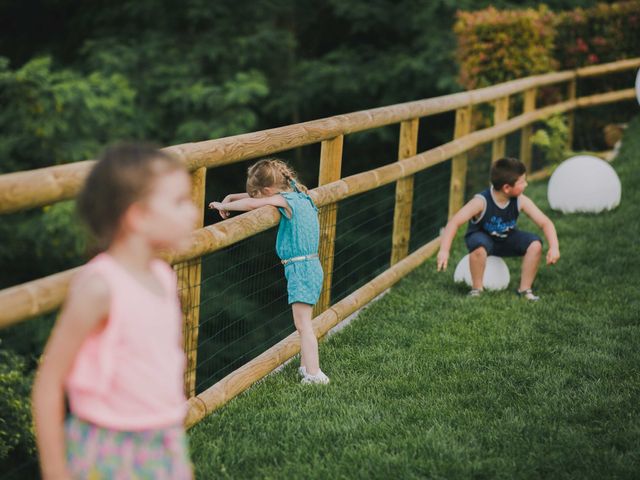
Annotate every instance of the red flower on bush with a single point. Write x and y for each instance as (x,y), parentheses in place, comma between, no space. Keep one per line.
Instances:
(581,45)
(599,41)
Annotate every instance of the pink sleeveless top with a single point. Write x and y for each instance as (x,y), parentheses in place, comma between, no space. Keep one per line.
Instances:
(129,376)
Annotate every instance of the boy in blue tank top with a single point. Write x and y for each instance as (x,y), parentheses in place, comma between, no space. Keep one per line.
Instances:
(492,216)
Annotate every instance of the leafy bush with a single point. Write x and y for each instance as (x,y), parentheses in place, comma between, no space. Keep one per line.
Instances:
(552,139)
(604,33)
(498,45)
(52,116)
(16,435)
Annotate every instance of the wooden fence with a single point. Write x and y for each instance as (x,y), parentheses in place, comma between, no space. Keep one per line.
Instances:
(29,189)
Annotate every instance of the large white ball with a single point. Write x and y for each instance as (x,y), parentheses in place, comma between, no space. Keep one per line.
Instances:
(584,184)
(496,273)
(638,86)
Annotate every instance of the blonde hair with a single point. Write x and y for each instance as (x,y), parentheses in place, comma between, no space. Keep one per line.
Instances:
(271,173)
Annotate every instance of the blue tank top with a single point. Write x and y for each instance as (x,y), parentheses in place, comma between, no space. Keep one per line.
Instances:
(299,234)
(494,220)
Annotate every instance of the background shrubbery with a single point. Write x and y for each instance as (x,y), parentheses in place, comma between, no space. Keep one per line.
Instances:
(495,46)
(600,34)
(16,437)
(499,45)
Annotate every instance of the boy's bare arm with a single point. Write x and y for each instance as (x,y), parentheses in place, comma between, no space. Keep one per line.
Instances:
(546,225)
(473,208)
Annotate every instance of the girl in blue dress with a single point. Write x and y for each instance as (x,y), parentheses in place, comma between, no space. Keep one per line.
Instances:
(273,182)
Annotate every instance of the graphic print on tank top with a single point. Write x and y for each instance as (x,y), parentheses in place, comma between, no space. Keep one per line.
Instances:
(495,221)
(497,227)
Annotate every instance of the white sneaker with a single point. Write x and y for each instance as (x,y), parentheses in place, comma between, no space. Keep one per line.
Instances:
(528,295)
(319,378)
(302,371)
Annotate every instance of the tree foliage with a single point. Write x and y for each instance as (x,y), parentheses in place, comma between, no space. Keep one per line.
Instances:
(58,115)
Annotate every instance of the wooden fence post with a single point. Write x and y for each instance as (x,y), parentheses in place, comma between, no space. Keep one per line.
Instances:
(526,132)
(330,170)
(189,289)
(407,147)
(500,114)
(571,95)
(459,162)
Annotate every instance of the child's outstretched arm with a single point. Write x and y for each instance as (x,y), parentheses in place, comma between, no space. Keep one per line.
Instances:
(248,203)
(545,224)
(84,311)
(229,198)
(473,208)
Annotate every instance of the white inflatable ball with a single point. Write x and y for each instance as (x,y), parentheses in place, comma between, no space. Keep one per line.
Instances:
(638,86)
(584,184)
(496,273)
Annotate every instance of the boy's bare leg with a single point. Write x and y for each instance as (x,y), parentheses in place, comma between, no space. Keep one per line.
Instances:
(530,263)
(477,264)
(308,342)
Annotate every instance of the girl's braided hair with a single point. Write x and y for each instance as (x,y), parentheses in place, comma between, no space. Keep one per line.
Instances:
(271,173)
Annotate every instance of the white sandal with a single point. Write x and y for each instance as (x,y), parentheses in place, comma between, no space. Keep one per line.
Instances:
(528,295)
(318,378)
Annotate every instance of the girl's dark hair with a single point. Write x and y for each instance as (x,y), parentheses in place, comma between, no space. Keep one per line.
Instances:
(122,176)
(506,171)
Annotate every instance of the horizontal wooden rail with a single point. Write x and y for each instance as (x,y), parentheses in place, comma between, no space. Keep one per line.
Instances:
(609,97)
(241,379)
(612,67)
(21,302)
(214,153)
(29,189)
(34,298)
(34,188)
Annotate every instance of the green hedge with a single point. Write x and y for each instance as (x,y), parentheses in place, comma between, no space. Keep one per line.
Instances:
(600,34)
(499,45)
(16,437)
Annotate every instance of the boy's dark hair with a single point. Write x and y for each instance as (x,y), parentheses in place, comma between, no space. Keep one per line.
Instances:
(506,171)
(122,176)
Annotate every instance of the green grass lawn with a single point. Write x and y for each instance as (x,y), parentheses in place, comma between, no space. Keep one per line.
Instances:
(428,383)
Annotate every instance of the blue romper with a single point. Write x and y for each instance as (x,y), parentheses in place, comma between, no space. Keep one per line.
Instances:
(495,229)
(299,236)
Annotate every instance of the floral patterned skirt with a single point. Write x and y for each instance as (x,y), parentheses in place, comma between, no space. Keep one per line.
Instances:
(96,453)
